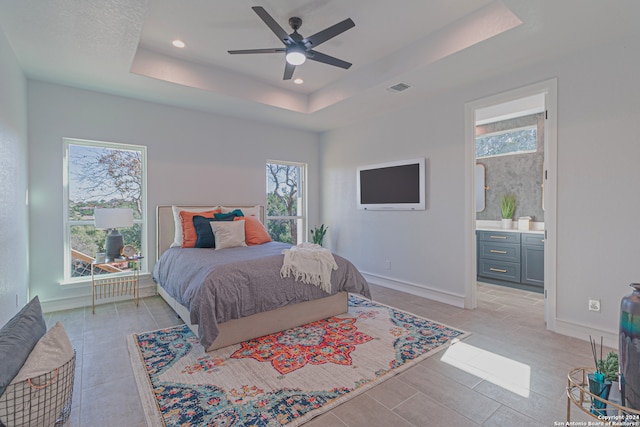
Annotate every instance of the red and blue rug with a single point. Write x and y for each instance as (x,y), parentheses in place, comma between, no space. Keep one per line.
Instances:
(282,379)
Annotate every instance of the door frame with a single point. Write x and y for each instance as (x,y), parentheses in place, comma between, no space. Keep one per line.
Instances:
(550,89)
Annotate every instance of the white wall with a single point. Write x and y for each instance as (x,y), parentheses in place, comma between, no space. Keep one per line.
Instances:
(598,183)
(425,248)
(598,239)
(14,277)
(193,158)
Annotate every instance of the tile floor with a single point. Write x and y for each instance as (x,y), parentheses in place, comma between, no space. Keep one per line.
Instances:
(509,372)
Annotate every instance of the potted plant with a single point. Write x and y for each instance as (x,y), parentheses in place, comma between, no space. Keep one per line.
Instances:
(610,368)
(317,234)
(599,382)
(507,208)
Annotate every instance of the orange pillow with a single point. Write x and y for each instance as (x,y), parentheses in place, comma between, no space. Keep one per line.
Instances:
(189,236)
(254,231)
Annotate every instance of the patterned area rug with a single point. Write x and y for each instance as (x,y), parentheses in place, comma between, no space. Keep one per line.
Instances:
(285,378)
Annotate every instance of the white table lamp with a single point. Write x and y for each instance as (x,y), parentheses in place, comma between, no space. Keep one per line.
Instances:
(111,219)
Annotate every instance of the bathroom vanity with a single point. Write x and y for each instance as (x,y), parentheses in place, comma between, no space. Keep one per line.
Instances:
(511,257)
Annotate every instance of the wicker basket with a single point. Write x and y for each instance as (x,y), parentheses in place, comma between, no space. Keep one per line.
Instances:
(41,401)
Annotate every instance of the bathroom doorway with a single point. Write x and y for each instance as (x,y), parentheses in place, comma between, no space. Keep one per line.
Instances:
(516,151)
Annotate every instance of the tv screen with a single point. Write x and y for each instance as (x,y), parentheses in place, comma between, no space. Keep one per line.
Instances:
(396,185)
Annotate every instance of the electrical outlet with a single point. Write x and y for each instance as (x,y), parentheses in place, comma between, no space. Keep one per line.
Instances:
(387,264)
(594,305)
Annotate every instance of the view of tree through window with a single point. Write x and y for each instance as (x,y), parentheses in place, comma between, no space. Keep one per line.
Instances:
(101,176)
(285,207)
(510,142)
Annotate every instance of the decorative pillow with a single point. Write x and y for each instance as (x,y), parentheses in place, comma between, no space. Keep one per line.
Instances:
(254,231)
(228,216)
(255,210)
(228,234)
(189,236)
(52,351)
(204,232)
(177,236)
(17,339)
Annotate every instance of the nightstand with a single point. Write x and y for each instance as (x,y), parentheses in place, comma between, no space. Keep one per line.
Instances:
(123,280)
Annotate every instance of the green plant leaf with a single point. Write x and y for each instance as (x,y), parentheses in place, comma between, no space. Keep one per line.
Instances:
(609,366)
(317,234)
(508,206)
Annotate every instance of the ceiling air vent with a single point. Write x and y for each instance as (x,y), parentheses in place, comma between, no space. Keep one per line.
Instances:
(398,88)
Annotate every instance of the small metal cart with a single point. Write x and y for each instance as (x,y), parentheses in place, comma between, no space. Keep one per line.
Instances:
(123,280)
(578,395)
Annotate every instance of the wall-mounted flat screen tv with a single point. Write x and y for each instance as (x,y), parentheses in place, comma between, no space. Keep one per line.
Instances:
(392,186)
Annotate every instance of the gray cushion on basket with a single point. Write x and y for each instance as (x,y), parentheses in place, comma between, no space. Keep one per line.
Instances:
(17,339)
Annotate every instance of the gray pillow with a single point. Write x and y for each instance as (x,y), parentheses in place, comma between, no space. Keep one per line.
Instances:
(17,339)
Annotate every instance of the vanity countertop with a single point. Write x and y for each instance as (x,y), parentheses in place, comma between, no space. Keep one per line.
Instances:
(484,225)
(508,230)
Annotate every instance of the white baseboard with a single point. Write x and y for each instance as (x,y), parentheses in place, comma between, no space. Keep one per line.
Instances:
(416,289)
(59,304)
(564,327)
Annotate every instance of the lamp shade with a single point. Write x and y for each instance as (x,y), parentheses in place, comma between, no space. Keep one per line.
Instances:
(106,218)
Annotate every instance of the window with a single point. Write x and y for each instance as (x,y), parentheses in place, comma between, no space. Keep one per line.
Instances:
(286,201)
(512,141)
(100,175)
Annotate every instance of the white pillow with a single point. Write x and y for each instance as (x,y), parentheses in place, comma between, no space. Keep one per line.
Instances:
(228,234)
(52,351)
(255,210)
(177,236)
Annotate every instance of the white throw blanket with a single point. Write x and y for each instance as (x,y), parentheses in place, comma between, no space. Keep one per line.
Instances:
(309,263)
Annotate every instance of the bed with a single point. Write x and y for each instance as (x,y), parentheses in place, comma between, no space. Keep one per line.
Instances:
(231,295)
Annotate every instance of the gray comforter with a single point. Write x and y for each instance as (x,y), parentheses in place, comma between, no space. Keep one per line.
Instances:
(220,285)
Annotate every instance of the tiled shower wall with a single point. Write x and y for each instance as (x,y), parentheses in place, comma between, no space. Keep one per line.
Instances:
(520,174)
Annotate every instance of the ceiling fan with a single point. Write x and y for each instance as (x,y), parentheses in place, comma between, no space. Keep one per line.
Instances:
(297,48)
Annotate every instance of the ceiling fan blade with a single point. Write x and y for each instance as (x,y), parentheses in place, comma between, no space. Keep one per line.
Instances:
(329,33)
(272,50)
(288,71)
(272,24)
(326,59)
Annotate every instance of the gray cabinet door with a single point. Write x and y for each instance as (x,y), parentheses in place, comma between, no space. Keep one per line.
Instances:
(532,265)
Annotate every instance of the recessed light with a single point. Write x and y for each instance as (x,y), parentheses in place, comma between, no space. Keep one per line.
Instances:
(298,81)
(178,43)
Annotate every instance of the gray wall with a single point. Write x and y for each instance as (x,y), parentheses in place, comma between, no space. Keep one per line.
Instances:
(519,174)
(14,275)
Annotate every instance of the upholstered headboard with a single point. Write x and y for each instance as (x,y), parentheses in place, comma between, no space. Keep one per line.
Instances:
(166,225)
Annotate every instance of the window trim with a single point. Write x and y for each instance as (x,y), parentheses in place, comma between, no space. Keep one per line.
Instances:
(66,223)
(302,218)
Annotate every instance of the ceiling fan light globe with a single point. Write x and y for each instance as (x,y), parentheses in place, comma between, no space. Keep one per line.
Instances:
(296,58)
